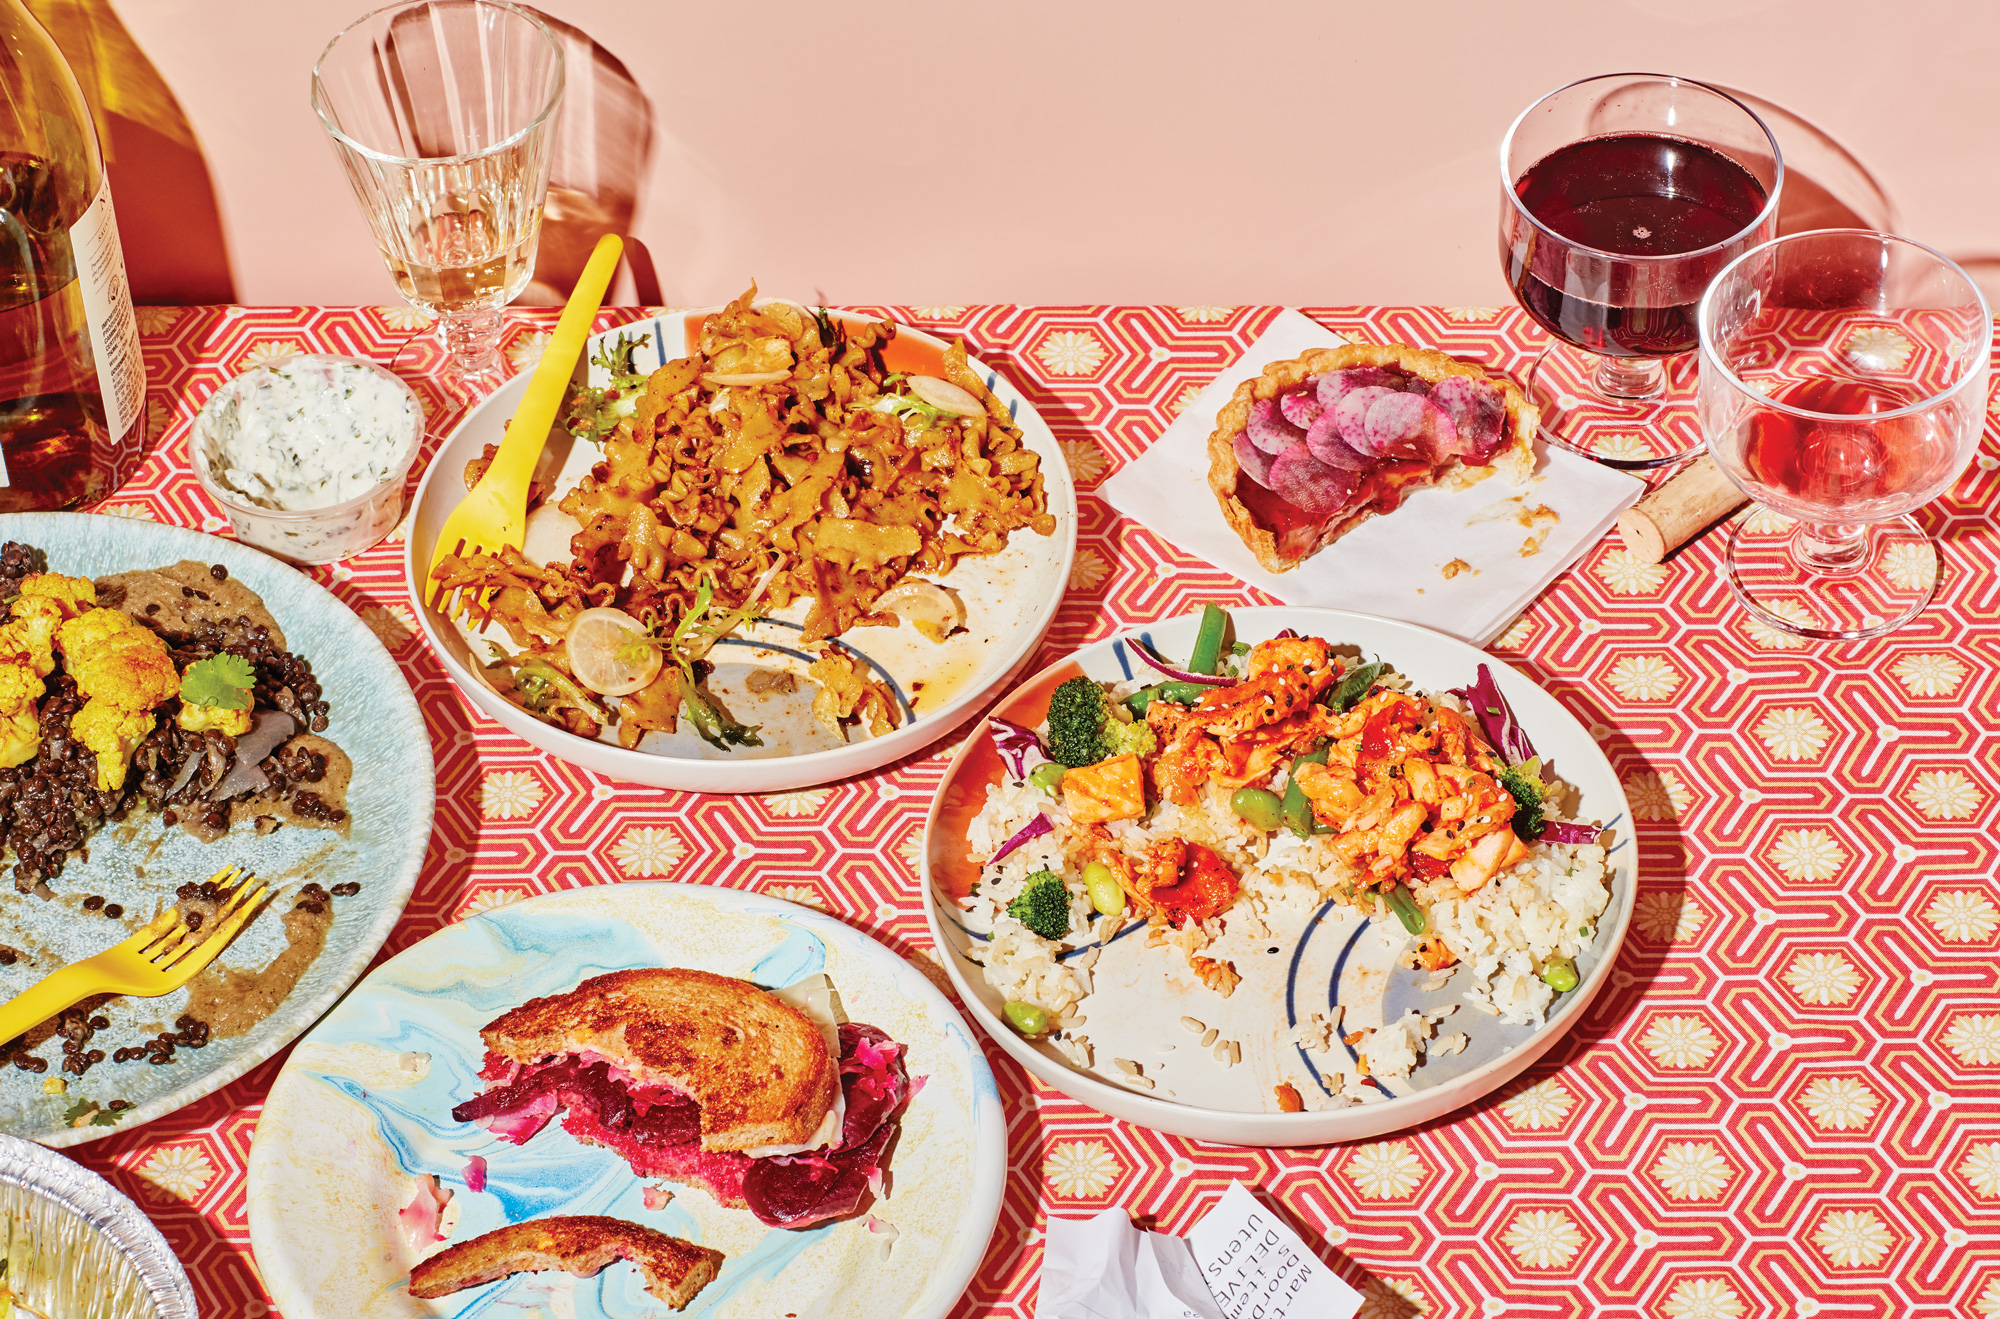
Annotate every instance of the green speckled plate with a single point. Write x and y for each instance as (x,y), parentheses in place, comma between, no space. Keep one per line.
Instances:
(138,863)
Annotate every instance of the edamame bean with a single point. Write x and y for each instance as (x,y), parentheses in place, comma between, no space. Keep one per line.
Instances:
(1026,1017)
(1107,896)
(1560,975)
(1047,777)
(1254,806)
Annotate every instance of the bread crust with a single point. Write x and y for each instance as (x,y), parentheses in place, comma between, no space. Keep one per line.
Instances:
(1515,458)
(758,1067)
(580,1244)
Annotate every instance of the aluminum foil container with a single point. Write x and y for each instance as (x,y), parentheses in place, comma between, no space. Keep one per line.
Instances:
(74,1247)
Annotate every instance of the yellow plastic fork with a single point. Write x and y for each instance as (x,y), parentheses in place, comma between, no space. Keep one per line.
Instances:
(495,515)
(164,955)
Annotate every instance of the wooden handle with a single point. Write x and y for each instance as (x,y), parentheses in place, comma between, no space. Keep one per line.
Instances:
(1679,511)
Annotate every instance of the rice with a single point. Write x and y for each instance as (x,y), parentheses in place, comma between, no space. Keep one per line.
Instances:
(1544,908)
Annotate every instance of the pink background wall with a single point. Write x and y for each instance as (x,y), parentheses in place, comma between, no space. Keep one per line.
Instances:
(912,151)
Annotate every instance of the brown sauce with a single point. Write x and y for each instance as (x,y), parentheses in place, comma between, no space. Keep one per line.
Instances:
(232,1001)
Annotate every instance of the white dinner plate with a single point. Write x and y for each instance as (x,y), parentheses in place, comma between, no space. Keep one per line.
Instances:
(1010,600)
(139,862)
(1337,959)
(363,1108)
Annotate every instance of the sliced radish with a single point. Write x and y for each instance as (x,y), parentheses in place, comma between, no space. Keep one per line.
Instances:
(1407,426)
(1309,485)
(1350,415)
(1268,430)
(947,397)
(925,606)
(1325,444)
(1300,406)
(1478,413)
(1336,385)
(1256,464)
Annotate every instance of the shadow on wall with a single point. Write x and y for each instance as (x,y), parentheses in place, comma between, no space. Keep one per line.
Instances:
(168,220)
(598,165)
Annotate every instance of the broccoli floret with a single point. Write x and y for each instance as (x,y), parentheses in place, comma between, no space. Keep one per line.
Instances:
(1121,738)
(1043,905)
(1524,783)
(1083,730)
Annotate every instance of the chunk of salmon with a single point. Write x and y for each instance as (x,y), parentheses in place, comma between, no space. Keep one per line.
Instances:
(1114,789)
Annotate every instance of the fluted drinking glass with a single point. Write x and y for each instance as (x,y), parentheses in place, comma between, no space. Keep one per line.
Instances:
(440,112)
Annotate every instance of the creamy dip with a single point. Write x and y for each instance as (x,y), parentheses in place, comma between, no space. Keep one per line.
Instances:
(309,432)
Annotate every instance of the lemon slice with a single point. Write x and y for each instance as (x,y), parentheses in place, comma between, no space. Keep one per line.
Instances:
(601,652)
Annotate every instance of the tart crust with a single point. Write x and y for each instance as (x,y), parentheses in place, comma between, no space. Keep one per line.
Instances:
(1515,458)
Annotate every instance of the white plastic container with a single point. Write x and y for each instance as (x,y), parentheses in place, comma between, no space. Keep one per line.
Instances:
(314,445)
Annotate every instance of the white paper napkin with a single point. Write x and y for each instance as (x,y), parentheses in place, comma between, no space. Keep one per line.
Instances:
(1238,1261)
(1391,565)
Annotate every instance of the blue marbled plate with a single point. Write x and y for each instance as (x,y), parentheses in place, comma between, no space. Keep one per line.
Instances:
(363,1108)
(138,863)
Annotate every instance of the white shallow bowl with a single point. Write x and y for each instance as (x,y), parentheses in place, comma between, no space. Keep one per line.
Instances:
(353,1119)
(1306,970)
(1010,598)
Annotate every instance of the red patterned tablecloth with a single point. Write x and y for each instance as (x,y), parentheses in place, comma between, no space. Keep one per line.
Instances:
(1787,1102)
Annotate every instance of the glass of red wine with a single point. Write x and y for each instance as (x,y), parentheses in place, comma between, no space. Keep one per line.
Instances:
(1843,382)
(1623,196)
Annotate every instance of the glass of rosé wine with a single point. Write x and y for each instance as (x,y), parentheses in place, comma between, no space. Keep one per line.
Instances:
(1622,196)
(1843,382)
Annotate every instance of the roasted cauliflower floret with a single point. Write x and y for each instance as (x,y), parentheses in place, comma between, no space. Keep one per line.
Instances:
(47,600)
(125,670)
(20,724)
(113,732)
(201,718)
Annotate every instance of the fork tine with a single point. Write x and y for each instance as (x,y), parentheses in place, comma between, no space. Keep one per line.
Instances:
(435,589)
(191,956)
(165,929)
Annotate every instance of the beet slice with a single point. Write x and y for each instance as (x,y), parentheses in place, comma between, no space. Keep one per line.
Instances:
(1300,406)
(1478,412)
(1256,464)
(1324,443)
(1268,430)
(1309,485)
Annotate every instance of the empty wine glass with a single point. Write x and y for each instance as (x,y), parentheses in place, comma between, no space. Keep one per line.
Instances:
(1843,384)
(1623,195)
(440,110)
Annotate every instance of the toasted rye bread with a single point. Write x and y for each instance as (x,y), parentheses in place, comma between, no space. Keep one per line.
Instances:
(1515,458)
(581,1244)
(759,1068)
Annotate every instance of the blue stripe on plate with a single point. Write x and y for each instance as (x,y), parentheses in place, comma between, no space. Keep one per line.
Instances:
(902,701)
(1124,663)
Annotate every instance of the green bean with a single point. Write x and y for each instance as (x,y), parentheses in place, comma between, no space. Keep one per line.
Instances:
(1026,1017)
(1406,909)
(1107,895)
(1047,777)
(1298,811)
(1138,701)
(1208,640)
(1560,975)
(1258,807)
(1355,685)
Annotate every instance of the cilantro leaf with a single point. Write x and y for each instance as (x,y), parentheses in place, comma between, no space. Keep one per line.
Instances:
(89,1109)
(221,681)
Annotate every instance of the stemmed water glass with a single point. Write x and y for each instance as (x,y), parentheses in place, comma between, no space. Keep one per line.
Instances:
(440,111)
(1622,196)
(1843,384)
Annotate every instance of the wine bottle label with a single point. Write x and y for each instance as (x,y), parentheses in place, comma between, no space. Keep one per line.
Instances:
(107,305)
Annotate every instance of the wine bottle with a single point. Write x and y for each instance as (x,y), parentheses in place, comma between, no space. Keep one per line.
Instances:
(72,382)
